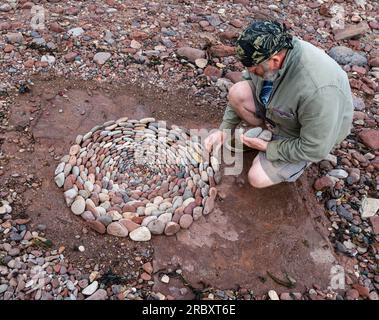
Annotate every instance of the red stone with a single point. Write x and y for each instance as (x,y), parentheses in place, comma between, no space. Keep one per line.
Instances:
(41,64)
(234,76)
(145,276)
(228,35)
(22,221)
(374,25)
(236,23)
(128,208)
(55,27)
(8,48)
(222,51)
(97,226)
(69,57)
(211,71)
(147,267)
(367,90)
(375,224)
(29,63)
(352,294)
(351,31)
(355,84)
(137,220)
(190,207)
(129,224)
(362,290)
(358,69)
(139,35)
(370,138)
(323,183)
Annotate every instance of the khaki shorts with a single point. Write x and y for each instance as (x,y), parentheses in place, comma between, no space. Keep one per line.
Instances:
(281,171)
(278,171)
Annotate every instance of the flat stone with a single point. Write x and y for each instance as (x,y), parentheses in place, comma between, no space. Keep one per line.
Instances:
(88,216)
(101,57)
(90,289)
(14,37)
(344,213)
(265,135)
(171,228)
(140,234)
(3,288)
(117,229)
(78,206)
(191,54)
(375,224)
(129,224)
(351,31)
(273,295)
(97,226)
(100,294)
(370,207)
(323,183)
(75,32)
(338,173)
(254,132)
(156,226)
(59,179)
(197,213)
(370,138)
(344,55)
(208,206)
(185,221)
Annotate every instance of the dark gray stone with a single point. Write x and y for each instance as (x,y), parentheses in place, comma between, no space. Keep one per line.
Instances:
(344,55)
(344,213)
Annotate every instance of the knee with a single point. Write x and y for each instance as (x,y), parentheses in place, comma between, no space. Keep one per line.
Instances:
(255,180)
(239,93)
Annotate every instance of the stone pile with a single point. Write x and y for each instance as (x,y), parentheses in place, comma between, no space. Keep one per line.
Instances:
(138,178)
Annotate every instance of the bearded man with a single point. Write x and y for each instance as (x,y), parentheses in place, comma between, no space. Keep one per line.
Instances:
(296,91)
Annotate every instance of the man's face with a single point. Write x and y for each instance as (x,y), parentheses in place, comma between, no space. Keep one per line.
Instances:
(265,70)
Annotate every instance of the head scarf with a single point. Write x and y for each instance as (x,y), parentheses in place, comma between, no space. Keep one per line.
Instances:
(261,40)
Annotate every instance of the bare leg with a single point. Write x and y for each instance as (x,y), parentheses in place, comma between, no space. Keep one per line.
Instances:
(241,100)
(257,176)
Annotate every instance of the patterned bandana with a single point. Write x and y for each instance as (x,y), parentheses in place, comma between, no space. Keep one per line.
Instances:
(261,40)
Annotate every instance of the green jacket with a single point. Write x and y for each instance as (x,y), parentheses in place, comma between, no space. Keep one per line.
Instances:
(311,105)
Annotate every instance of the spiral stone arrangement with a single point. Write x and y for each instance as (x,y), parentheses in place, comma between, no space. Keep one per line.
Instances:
(138,178)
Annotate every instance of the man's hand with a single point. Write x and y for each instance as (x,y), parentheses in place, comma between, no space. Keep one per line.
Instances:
(214,140)
(254,143)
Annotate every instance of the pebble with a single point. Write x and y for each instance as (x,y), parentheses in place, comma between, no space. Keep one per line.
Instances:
(117,229)
(100,294)
(59,179)
(101,57)
(171,228)
(90,289)
(273,295)
(156,226)
(344,55)
(165,279)
(185,221)
(78,206)
(370,207)
(338,173)
(75,32)
(140,234)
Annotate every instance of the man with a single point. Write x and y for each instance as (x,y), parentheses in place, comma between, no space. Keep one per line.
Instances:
(301,94)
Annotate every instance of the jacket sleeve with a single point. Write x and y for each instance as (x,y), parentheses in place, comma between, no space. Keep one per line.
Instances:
(230,119)
(320,118)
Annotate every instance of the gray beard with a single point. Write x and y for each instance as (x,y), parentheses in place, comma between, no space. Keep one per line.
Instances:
(270,75)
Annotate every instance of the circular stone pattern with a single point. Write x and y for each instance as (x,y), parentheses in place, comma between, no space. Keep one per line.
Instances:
(138,178)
